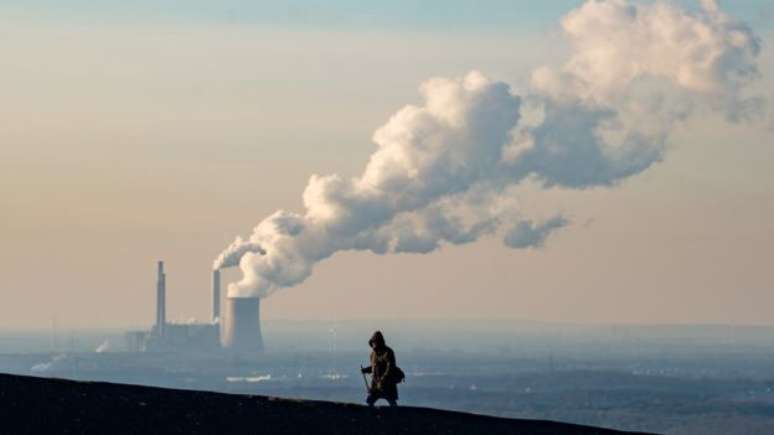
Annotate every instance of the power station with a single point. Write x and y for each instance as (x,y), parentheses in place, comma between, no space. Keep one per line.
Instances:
(236,328)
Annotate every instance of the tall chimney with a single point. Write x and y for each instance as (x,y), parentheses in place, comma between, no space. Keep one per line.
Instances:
(161,299)
(241,325)
(215,294)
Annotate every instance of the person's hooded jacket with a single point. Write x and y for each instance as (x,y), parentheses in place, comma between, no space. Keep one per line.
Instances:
(382,366)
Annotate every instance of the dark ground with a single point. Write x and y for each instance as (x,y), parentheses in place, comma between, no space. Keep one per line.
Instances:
(30,405)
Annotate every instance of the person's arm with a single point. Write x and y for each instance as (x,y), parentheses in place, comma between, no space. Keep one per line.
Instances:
(390,365)
(369,369)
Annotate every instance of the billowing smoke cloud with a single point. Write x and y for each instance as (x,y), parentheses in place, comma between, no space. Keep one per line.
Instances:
(526,234)
(233,253)
(444,171)
(617,43)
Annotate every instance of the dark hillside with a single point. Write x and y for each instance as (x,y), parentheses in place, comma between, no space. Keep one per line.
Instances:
(31,405)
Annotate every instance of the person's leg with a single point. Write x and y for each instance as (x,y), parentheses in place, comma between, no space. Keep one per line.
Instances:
(371,399)
(393,402)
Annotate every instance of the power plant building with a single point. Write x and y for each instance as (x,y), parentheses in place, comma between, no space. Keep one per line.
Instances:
(236,329)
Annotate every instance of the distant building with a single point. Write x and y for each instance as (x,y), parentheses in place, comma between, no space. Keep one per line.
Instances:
(180,337)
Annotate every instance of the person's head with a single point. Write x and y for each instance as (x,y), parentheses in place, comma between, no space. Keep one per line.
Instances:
(377,340)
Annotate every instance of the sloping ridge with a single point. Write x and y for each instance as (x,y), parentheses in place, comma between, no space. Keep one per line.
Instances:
(36,405)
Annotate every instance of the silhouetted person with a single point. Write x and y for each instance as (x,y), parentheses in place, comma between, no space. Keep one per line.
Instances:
(383,372)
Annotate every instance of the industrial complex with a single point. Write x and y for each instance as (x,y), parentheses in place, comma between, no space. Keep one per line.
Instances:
(235,325)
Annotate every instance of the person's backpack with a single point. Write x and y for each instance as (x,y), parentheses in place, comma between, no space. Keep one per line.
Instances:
(397,376)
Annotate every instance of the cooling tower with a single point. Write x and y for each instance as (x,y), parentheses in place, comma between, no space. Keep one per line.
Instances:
(241,325)
(215,294)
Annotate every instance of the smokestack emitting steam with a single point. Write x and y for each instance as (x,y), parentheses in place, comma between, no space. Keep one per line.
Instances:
(446,171)
(233,253)
(161,299)
(240,322)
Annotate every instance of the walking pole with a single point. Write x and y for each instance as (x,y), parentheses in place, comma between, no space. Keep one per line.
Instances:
(365,381)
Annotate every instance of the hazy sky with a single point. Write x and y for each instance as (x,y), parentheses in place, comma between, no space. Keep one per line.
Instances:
(137,131)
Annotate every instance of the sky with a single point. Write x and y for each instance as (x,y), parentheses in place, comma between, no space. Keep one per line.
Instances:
(139,131)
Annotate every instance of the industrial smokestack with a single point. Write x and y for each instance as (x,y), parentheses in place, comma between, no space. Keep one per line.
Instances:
(215,295)
(161,299)
(241,325)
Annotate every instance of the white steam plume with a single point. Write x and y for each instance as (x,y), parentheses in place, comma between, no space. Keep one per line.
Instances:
(104,347)
(444,171)
(618,43)
(233,253)
(527,234)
